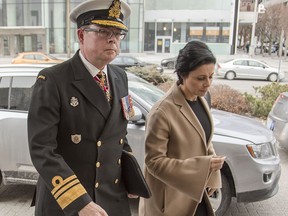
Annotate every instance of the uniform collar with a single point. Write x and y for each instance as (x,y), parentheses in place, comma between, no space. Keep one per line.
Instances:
(91,68)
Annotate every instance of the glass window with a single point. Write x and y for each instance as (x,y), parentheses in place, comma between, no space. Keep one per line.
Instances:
(164,29)
(28,57)
(194,31)
(241,62)
(255,64)
(21,92)
(177,33)
(280,108)
(40,57)
(128,60)
(4,92)
(149,38)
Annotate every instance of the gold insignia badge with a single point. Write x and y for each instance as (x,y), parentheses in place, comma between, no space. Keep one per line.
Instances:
(74,101)
(115,9)
(41,77)
(76,138)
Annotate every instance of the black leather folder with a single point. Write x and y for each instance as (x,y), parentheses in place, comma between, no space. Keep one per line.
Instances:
(133,177)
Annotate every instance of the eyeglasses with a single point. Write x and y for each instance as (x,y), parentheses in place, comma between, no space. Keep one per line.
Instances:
(105,33)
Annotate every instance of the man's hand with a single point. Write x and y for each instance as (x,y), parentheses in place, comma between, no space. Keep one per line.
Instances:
(92,209)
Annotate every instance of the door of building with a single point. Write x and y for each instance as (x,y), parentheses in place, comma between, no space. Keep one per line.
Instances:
(163,44)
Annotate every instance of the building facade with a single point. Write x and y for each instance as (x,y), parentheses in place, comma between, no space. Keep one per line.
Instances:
(162,26)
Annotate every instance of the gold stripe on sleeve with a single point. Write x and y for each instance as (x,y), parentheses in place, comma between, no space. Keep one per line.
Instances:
(71,195)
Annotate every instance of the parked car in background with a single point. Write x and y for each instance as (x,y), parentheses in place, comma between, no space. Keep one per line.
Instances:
(277,119)
(35,58)
(125,61)
(252,167)
(169,62)
(247,68)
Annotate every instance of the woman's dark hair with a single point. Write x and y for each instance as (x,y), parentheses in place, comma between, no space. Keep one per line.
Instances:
(192,56)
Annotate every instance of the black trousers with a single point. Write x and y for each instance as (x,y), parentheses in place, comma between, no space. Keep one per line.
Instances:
(201,209)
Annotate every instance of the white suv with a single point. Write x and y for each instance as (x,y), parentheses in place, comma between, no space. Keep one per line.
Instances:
(251,171)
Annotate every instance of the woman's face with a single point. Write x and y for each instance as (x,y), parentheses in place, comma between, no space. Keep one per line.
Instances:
(198,81)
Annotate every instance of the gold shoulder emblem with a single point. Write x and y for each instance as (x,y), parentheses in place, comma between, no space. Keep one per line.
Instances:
(41,77)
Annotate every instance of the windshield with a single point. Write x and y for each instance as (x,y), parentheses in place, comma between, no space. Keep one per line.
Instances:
(281,106)
(144,89)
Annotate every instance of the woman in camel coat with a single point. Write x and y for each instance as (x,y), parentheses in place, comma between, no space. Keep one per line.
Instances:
(182,169)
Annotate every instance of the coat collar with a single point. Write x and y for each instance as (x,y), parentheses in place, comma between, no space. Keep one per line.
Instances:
(185,109)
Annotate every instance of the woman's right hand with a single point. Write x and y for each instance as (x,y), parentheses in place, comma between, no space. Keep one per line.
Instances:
(216,162)
(92,209)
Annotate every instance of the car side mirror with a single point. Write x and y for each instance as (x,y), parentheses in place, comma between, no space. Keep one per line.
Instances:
(137,118)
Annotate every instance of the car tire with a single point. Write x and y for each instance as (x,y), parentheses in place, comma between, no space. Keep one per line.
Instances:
(230,75)
(223,197)
(170,65)
(1,178)
(273,77)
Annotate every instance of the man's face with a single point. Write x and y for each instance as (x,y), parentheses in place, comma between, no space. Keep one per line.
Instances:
(99,45)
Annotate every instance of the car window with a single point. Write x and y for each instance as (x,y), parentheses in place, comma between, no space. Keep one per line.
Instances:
(117,60)
(145,90)
(241,62)
(21,91)
(280,108)
(128,60)
(4,92)
(255,64)
(28,57)
(40,57)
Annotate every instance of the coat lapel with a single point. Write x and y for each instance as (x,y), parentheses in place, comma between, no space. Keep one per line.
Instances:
(186,111)
(85,83)
(116,105)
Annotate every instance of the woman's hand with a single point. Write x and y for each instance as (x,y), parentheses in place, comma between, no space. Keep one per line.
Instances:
(133,196)
(216,162)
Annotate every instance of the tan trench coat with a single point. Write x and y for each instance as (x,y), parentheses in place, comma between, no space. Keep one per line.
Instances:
(177,159)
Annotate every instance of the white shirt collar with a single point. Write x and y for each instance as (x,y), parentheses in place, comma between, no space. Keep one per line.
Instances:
(91,68)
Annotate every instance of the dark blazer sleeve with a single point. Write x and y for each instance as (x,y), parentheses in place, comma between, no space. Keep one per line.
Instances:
(43,119)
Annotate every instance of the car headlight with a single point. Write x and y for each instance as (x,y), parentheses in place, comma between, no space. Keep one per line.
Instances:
(260,151)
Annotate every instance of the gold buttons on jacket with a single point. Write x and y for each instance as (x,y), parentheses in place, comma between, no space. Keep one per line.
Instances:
(97,185)
(99,143)
(98,164)
(119,161)
(116,181)
(121,141)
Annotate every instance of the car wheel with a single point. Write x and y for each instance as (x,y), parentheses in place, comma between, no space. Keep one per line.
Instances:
(230,75)
(273,77)
(221,199)
(170,65)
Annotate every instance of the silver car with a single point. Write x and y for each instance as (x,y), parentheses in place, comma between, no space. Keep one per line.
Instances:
(247,68)
(252,167)
(277,119)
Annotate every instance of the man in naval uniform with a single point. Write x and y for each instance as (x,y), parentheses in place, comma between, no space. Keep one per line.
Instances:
(76,123)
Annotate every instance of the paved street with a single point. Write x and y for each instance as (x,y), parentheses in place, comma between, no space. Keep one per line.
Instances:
(15,200)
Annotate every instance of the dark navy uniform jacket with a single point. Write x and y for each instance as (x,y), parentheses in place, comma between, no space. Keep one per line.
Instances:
(76,139)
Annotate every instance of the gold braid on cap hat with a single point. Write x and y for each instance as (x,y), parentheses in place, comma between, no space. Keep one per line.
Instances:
(115,9)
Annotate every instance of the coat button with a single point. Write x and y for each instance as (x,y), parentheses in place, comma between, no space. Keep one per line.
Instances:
(99,143)
(119,161)
(121,141)
(97,185)
(116,181)
(98,164)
